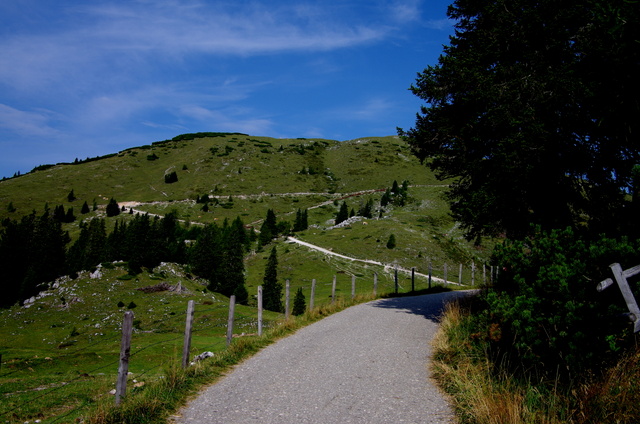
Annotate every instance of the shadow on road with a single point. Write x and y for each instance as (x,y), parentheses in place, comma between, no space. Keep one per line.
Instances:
(429,306)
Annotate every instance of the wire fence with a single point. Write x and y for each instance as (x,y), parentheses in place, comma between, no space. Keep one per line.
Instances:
(209,330)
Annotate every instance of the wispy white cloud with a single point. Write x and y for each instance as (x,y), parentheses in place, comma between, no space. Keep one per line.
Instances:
(371,109)
(28,123)
(219,29)
(227,119)
(404,11)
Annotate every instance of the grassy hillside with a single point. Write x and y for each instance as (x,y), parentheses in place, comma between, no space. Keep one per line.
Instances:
(60,353)
(229,165)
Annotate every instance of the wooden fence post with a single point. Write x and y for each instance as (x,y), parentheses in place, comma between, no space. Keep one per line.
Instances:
(395,277)
(413,279)
(621,278)
(353,287)
(232,309)
(186,347)
(260,308)
(473,273)
(460,275)
(287,292)
(125,350)
(333,290)
(375,284)
(313,294)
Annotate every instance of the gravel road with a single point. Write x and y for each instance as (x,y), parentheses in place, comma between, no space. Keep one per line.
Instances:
(366,364)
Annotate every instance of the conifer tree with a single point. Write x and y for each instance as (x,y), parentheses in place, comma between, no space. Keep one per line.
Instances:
(69,216)
(269,228)
(366,210)
(299,304)
(85,208)
(343,213)
(59,213)
(231,270)
(171,177)
(391,243)
(113,209)
(301,223)
(272,289)
(206,254)
(71,196)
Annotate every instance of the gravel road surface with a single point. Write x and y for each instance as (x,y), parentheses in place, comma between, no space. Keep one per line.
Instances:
(366,364)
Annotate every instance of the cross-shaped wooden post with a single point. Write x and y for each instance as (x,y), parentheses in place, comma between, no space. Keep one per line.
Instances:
(621,278)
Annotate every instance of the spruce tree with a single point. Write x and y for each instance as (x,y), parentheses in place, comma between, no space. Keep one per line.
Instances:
(271,288)
(85,208)
(533,111)
(299,304)
(343,213)
(391,243)
(69,216)
(302,222)
(206,254)
(113,209)
(269,228)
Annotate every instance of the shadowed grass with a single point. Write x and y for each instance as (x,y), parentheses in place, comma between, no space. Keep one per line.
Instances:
(483,393)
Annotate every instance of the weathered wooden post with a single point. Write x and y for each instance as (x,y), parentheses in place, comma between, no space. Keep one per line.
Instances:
(395,277)
(260,309)
(353,287)
(375,284)
(460,275)
(232,309)
(413,279)
(473,273)
(313,294)
(484,274)
(287,293)
(125,350)
(621,278)
(333,290)
(186,346)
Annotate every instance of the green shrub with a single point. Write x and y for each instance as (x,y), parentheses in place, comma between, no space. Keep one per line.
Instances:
(391,243)
(171,177)
(544,313)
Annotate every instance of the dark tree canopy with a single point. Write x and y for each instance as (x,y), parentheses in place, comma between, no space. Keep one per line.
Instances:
(533,111)
(113,209)
(272,289)
(343,213)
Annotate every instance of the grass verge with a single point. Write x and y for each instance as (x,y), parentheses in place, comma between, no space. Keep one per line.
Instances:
(484,393)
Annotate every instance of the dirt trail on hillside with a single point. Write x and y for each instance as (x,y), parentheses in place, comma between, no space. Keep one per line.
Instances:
(387,267)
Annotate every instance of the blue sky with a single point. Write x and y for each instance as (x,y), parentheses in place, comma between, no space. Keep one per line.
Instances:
(87,78)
